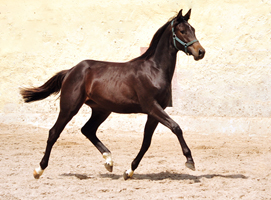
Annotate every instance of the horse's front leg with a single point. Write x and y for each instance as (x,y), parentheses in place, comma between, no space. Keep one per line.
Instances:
(150,126)
(159,114)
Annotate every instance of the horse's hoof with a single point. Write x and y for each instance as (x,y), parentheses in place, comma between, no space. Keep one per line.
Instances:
(108,167)
(128,174)
(108,161)
(190,166)
(37,172)
(125,176)
(36,175)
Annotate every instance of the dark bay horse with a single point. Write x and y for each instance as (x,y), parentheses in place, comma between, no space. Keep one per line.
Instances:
(141,85)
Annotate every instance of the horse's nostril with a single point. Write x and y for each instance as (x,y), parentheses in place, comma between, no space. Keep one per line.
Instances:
(201,52)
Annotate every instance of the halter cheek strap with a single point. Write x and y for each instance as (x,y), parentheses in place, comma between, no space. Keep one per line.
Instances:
(175,38)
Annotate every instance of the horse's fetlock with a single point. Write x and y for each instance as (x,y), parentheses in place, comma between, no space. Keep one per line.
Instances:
(187,152)
(43,165)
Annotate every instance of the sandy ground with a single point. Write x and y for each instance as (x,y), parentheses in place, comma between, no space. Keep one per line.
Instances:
(227,167)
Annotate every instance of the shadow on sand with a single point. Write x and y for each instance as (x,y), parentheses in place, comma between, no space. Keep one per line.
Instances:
(79,176)
(175,176)
(159,176)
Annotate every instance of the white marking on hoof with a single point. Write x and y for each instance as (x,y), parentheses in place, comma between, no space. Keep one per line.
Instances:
(38,172)
(128,174)
(108,161)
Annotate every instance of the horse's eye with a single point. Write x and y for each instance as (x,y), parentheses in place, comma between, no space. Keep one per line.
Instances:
(182,32)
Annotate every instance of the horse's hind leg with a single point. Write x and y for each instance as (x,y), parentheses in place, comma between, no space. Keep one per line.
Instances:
(54,134)
(148,132)
(90,129)
(63,118)
(68,108)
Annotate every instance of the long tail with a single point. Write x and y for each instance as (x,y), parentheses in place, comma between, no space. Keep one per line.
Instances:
(52,86)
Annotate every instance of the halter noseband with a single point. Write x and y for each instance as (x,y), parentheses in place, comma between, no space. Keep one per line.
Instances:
(175,38)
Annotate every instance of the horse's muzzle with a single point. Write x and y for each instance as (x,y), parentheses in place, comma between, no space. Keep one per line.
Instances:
(199,53)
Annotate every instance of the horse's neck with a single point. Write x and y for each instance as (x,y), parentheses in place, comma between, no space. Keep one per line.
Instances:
(165,55)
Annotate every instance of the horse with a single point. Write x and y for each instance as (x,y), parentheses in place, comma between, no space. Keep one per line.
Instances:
(141,85)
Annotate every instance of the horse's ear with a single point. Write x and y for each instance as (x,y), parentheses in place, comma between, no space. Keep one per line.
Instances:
(180,15)
(187,15)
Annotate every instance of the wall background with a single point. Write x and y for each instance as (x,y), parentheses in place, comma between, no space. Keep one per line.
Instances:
(227,92)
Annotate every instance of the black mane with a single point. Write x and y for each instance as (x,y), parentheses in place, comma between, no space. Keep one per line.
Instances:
(154,42)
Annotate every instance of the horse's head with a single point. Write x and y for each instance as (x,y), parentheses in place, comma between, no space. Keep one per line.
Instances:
(184,37)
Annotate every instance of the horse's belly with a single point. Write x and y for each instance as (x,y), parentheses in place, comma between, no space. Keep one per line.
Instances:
(120,107)
(116,100)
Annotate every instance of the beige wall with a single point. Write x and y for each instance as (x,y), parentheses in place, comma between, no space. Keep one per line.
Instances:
(228,91)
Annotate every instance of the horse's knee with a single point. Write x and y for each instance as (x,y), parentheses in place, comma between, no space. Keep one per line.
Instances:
(177,130)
